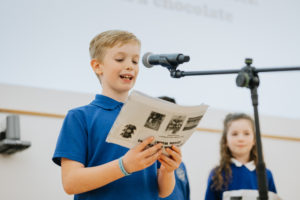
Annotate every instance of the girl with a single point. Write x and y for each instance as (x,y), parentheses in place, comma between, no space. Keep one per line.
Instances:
(236,169)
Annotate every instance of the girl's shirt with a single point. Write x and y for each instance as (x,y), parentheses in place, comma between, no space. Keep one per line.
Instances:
(243,177)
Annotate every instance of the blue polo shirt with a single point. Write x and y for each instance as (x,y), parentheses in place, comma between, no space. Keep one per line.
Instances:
(242,178)
(82,139)
(182,188)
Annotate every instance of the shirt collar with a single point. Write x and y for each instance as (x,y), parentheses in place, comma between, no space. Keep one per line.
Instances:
(105,102)
(250,165)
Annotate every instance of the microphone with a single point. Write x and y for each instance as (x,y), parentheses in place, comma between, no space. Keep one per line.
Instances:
(166,60)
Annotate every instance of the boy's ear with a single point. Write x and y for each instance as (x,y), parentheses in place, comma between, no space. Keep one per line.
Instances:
(97,66)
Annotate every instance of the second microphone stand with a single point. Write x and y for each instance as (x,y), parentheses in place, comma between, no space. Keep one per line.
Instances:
(247,77)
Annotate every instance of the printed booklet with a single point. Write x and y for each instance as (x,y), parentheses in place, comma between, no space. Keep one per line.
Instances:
(143,116)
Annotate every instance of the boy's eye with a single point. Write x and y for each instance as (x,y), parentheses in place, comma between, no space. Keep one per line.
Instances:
(135,62)
(119,59)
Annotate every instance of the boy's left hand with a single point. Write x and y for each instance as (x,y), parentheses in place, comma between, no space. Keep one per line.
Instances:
(172,162)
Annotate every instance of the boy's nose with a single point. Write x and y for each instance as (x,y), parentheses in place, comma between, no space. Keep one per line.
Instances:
(128,67)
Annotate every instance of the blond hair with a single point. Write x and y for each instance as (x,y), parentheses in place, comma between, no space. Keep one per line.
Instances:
(109,39)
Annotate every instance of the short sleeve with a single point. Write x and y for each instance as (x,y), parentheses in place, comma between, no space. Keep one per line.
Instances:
(72,140)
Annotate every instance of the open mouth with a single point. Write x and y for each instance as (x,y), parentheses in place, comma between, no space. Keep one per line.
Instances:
(128,77)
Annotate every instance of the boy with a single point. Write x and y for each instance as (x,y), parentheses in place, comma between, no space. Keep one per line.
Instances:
(93,169)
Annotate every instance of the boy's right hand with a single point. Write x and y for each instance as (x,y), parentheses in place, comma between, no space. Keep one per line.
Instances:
(141,157)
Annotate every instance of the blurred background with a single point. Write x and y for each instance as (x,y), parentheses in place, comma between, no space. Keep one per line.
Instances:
(44,67)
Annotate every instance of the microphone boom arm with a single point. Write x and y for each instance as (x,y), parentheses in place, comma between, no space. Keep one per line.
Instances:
(247,77)
(178,73)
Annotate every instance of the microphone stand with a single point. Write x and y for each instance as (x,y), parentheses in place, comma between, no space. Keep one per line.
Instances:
(247,77)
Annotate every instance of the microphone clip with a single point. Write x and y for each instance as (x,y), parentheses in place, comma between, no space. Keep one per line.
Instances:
(172,64)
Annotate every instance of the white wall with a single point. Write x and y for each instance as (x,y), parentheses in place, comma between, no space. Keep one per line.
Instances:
(31,174)
(45,44)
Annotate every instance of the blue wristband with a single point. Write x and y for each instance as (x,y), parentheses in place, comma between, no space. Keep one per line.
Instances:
(122,167)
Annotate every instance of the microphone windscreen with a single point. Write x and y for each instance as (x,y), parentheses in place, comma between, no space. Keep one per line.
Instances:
(146,61)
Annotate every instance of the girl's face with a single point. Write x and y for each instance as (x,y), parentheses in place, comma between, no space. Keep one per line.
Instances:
(240,139)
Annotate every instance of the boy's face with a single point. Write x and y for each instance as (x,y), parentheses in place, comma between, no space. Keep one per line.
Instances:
(119,69)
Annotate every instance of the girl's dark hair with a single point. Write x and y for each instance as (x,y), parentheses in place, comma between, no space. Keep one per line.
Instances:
(222,172)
